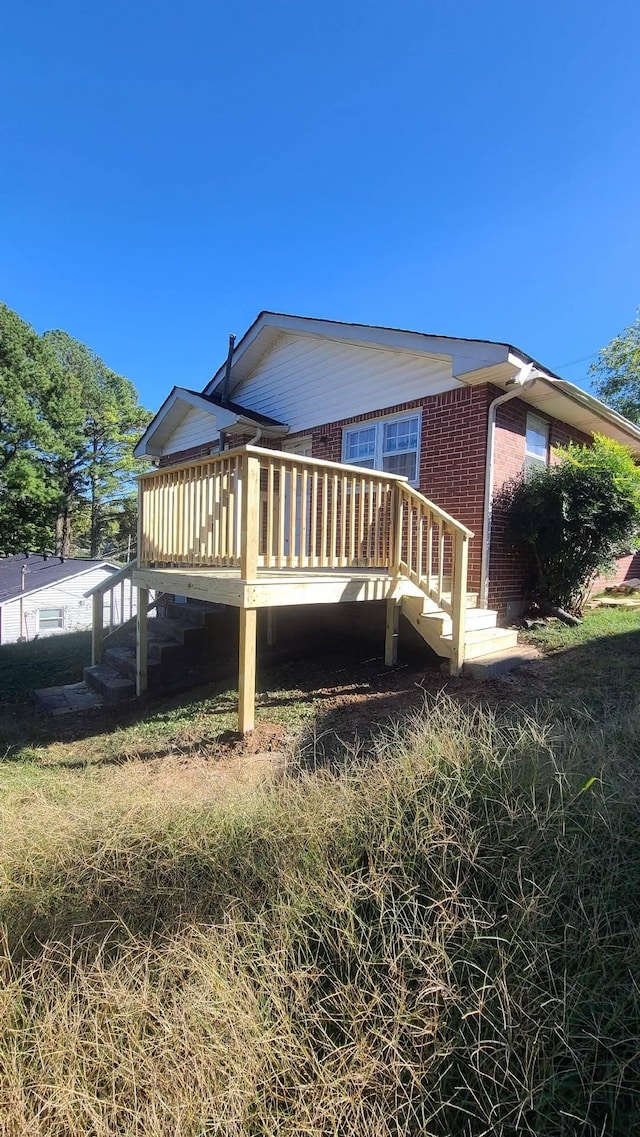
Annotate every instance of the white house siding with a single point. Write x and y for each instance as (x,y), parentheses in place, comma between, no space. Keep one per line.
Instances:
(197,426)
(306,380)
(66,594)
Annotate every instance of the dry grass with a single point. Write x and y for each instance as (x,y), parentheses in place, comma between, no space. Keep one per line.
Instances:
(439,937)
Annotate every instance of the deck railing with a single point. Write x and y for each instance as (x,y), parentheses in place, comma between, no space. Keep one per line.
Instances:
(254,508)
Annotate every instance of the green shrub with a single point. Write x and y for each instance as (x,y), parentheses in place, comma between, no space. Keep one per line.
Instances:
(572,519)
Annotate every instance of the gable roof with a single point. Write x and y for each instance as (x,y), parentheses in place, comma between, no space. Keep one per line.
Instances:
(41,573)
(472,361)
(173,410)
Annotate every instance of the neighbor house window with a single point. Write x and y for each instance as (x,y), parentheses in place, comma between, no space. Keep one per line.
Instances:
(390,444)
(49,618)
(536,450)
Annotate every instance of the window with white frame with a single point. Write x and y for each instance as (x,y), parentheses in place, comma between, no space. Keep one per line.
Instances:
(50,618)
(536,449)
(391,444)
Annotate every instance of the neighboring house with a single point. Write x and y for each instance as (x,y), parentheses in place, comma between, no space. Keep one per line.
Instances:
(47,596)
(458,417)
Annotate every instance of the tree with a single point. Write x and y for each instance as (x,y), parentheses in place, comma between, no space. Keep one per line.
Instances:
(572,519)
(30,383)
(112,419)
(68,426)
(616,372)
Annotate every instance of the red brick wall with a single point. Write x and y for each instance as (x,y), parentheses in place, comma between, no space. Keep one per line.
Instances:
(452,454)
(627,568)
(509,571)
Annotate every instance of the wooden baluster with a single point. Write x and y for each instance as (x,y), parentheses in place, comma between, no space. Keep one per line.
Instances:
(343,521)
(333,547)
(370,552)
(353,509)
(324,533)
(440,560)
(97,629)
(270,512)
(291,560)
(419,546)
(410,561)
(282,507)
(304,518)
(313,520)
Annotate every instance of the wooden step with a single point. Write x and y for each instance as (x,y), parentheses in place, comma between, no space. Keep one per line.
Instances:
(486,642)
(475,619)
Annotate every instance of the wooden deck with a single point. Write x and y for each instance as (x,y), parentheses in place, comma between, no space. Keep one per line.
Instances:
(270,589)
(257,528)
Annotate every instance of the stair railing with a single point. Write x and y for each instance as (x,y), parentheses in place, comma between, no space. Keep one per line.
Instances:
(114,609)
(432,549)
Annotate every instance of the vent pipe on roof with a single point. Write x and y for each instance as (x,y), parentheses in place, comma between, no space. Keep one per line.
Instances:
(227,371)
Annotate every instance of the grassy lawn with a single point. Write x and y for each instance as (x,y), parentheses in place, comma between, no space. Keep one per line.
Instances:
(425,921)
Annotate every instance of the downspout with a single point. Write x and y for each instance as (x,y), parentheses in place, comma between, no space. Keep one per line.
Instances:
(521,382)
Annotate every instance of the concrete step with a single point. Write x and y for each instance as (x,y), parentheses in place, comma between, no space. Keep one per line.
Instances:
(198,613)
(123,660)
(166,652)
(110,684)
(69,699)
(501,662)
(177,631)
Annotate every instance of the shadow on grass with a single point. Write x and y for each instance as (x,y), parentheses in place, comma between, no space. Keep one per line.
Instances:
(330,699)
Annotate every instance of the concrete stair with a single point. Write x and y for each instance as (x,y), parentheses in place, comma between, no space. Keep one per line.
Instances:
(178,645)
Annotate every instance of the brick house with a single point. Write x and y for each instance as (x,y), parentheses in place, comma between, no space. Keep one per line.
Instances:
(458,417)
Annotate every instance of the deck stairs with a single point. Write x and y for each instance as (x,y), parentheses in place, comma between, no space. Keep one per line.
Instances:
(483,638)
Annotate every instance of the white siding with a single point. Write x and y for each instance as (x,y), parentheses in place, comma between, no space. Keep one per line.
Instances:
(305,381)
(196,427)
(66,594)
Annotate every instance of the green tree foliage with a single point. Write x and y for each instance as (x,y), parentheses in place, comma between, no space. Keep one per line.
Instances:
(112,419)
(573,518)
(616,372)
(30,384)
(68,425)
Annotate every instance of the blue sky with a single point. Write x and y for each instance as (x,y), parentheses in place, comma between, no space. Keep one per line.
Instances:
(468,168)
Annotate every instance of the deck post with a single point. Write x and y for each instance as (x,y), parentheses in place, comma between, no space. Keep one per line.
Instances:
(396,529)
(247,670)
(459,601)
(391,632)
(141,640)
(97,630)
(250,517)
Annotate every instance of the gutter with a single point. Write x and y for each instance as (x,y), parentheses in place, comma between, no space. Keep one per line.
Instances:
(525,379)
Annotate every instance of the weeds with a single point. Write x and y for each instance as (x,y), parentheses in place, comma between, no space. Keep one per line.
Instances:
(438,937)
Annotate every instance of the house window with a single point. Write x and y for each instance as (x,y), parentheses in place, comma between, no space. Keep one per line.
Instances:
(536,449)
(50,618)
(390,444)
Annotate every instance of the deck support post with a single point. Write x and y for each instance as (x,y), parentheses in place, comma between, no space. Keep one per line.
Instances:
(247,670)
(459,601)
(141,640)
(271,627)
(391,632)
(97,630)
